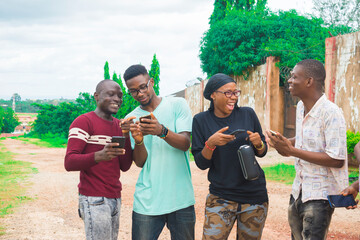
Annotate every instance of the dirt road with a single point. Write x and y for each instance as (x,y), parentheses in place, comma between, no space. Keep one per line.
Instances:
(52,214)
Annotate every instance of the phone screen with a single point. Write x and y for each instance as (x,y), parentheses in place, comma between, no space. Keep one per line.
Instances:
(147,116)
(341,201)
(237,131)
(120,140)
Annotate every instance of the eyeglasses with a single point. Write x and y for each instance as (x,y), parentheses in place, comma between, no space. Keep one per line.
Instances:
(229,94)
(141,89)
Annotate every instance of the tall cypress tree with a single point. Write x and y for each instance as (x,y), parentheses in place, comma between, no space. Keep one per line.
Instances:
(106,71)
(155,74)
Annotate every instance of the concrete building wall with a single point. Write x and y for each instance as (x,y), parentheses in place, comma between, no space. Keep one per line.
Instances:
(342,85)
(253,92)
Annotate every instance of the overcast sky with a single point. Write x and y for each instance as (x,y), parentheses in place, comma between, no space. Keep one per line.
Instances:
(52,49)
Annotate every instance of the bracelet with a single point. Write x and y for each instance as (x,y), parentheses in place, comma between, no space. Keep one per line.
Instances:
(207,146)
(261,147)
(140,143)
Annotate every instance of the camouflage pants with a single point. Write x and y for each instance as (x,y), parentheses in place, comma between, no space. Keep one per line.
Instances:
(220,216)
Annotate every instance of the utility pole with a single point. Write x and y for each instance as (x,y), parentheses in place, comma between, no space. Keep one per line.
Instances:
(13,104)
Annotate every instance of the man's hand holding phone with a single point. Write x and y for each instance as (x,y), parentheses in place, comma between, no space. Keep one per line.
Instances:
(110,151)
(282,145)
(150,126)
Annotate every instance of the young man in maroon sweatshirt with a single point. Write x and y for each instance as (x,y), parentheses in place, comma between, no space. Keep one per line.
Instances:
(91,152)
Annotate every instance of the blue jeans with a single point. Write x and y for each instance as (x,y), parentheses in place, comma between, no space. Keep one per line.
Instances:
(181,224)
(309,220)
(101,217)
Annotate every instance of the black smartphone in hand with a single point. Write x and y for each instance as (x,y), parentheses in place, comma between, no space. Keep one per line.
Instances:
(237,131)
(144,117)
(341,201)
(120,140)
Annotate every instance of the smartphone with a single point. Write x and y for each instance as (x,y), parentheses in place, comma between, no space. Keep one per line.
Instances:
(237,131)
(273,132)
(120,140)
(147,116)
(341,201)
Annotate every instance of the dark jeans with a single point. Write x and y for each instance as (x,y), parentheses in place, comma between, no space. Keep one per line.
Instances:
(181,224)
(309,220)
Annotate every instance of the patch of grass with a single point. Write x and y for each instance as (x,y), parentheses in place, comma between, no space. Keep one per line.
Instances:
(47,140)
(191,157)
(13,175)
(353,174)
(281,172)
(285,173)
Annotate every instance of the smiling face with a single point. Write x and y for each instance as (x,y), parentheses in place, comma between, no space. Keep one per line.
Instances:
(299,82)
(108,98)
(144,86)
(223,106)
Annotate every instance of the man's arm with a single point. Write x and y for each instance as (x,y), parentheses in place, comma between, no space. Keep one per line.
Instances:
(357,152)
(139,154)
(177,140)
(75,159)
(286,147)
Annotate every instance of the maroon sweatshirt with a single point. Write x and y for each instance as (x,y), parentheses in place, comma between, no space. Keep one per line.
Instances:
(88,134)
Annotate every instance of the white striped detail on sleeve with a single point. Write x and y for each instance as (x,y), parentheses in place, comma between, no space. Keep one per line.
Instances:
(78,133)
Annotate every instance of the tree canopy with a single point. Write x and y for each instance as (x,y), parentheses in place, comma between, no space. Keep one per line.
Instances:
(56,120)
(8,120)
(342,16)
(242,37)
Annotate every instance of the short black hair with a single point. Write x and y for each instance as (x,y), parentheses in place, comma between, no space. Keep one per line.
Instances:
(135,70)
(315,69)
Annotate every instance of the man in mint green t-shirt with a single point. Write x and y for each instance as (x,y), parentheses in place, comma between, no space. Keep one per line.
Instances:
(164,193)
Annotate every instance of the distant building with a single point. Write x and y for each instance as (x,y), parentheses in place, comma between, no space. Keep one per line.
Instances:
(178,94)
(25,122)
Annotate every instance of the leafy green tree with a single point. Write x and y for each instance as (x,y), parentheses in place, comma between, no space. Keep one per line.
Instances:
(343,16)
(1,119)
(155,74)
(8,120)
(245,38)
(86,102)
(56,120)
(223,7)
(17,97)
(106,71)
(128,103)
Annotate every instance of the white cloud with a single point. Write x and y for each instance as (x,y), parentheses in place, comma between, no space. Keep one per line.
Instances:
(52,49)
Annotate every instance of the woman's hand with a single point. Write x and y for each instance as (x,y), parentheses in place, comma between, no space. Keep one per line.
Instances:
(255,139)
(219,138)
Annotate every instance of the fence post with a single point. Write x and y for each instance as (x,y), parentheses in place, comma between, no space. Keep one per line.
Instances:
(274,98)
(330,67)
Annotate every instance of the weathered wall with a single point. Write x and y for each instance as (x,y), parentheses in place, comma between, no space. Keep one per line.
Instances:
(342,83)
(194,97)
(253,92)
(259,91)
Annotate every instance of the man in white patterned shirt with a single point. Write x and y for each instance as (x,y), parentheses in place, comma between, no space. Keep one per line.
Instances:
(320,152)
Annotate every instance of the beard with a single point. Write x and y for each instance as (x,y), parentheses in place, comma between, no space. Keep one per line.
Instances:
(146,104)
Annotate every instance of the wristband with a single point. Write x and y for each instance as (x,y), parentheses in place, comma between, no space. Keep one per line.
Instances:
(164,132)
(261,147)
(207,146)
(140,143)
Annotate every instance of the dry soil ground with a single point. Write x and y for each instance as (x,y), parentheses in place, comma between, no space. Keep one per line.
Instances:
(52,214)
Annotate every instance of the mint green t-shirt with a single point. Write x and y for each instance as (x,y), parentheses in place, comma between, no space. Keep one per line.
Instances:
(164,184)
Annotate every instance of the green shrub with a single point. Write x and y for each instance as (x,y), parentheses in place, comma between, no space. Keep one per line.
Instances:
(351,140)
